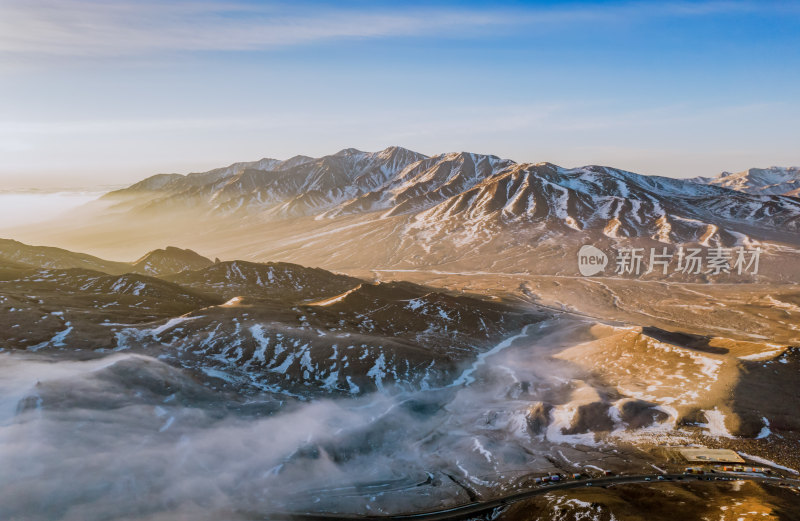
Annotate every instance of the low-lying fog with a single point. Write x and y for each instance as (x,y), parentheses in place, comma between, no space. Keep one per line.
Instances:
(20,208)
(129,437)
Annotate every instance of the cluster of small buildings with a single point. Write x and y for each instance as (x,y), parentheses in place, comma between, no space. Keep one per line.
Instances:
(740,468)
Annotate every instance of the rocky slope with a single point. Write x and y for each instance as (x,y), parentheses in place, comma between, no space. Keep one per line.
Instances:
(273,280)
(57,258)
(278,327)
(163,261)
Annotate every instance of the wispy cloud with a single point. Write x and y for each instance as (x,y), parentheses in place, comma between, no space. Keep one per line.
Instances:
(103,28)
(89,27)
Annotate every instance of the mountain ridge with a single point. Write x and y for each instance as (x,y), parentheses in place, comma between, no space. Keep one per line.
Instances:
(774,180)
(170,260)
(280,327)
(397,181)
(355,211)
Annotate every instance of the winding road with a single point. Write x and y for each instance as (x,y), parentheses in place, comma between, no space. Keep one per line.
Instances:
(479,507)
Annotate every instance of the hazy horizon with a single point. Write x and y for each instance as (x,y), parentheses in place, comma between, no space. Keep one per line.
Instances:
(33,185)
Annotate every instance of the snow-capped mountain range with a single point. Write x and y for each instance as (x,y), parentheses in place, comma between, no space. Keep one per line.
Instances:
(478,190)
(775,180)
(356,212)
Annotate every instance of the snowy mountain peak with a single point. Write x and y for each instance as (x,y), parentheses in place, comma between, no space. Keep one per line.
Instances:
(775,180)
(349,152)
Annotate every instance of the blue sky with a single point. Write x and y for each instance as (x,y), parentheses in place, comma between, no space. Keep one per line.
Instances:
(109,92)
